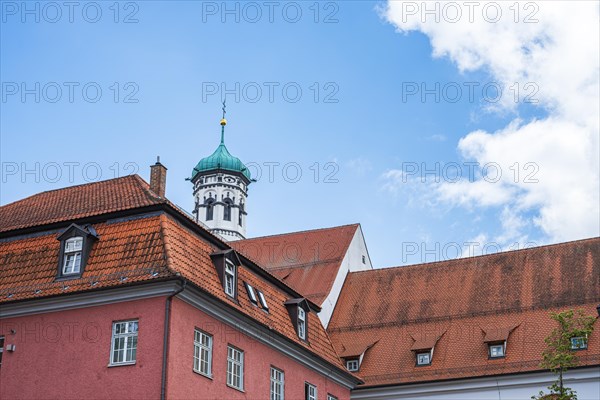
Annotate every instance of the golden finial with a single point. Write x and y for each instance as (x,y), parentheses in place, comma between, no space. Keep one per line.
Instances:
(223,120)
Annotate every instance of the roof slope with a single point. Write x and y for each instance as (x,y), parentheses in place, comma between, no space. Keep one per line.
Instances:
(77,202)
(308,261)
(133,248)
(459,301)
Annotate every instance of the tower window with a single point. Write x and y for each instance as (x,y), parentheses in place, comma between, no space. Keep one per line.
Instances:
(227,212)
(209,208)
(229,278)
(240,215)
(72,257)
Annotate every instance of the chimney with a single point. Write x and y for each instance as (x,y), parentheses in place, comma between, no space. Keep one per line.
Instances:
(158,178)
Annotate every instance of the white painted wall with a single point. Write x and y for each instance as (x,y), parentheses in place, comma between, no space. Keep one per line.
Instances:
(229,185)
(586,381)
(352,262)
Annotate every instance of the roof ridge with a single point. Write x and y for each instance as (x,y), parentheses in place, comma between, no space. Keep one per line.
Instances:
(76,186)
(301,231)
(453,260)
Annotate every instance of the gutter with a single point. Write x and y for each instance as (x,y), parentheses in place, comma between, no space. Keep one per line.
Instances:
(163,381)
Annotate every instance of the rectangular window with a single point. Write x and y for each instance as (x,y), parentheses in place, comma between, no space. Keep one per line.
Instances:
(124,342)
(235,368)
(263,300)
(1,348)
(579,343)
(229,278)
(202,352)
(310,391)
(277,384)
(301,323)
(251,293)
(496,350)
(424,358)
(352,365)
(331,397)
(72,256)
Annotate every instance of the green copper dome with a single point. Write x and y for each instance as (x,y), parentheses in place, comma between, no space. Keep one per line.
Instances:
(221,158)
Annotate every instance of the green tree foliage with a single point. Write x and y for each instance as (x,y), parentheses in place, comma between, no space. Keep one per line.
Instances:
(559,356)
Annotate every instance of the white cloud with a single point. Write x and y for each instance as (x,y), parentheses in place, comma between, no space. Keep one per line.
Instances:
(560,55)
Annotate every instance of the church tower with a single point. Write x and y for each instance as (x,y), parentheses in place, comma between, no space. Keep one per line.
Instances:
(220,190)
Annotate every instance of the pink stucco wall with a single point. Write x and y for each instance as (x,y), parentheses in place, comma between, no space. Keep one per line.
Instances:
(65,355)
(183,382)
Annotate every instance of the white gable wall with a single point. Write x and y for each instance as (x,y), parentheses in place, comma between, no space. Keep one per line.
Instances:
(352,261)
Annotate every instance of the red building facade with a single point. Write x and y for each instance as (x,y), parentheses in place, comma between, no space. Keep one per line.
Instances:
(109,291)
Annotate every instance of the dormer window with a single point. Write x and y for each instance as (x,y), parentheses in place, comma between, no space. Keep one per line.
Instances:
(72,255)
(301,323)
(424,358)
(298,310)
(229,278)
(497,350)
(352,364)
(76,244)
(579,343)
(226,263)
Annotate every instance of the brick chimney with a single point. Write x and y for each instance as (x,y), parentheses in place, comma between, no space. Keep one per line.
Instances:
(158,178)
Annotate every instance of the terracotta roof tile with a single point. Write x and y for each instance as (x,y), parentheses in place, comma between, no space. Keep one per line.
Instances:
(308,261)
(77,202)
(461,299)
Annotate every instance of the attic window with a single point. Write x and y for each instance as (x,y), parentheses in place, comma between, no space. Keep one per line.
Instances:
(497,350)
(229,278)
(72,255)
(75,246)
(352,365)
(579,343)
(301,323)
(424,358)
(263,300)
(251,293)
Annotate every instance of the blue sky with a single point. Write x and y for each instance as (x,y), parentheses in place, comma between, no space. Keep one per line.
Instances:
(362,121)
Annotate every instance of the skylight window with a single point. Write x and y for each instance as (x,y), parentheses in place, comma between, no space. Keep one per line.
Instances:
(251,293)
(263,300)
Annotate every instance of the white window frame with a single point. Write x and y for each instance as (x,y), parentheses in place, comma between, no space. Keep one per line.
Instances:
(421,353)
(263,300)
(310,391)
(229,278)
(352,365)
(130,340)
(277,384)
(331,397)
(235,358)
(75,253)
(203,345)
(584,341)
(301,323)
(501,346)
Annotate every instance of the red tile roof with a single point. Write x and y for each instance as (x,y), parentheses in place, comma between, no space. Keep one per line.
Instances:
(131,249)
(458,300)
(308,261)
(77,202)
